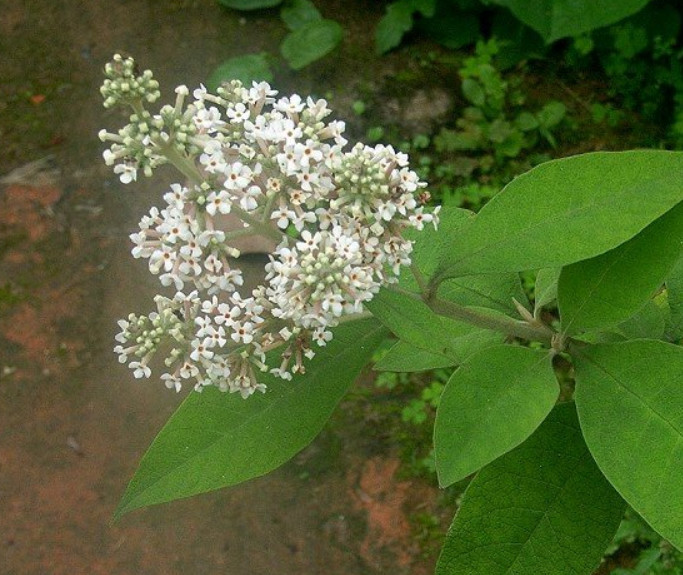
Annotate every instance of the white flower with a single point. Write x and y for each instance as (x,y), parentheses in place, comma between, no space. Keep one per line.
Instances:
(208,120)
(238,113)
(321,336)
(127,172)
(218,202)
(292,105)
(214,163)
(171,381)
(340,213)
(140,369)
(237,176)
(199,93)
(200,350)
(242,332)
(249,201)
(283,216)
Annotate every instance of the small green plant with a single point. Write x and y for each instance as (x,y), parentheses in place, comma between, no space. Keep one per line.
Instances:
(457,23)
(414,398)
(496,126)
(495,138)
(471,196)
(607,114)
(415,411)
(651,554)
(310,38)
(643,61)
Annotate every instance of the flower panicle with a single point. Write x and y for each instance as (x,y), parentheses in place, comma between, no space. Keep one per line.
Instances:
(335,217)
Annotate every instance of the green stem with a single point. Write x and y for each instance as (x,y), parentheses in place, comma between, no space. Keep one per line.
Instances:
(419,278)
(504,324)
(239,233)
(355,317)
(268,208)
(500,323)
(182,163)
(188,168)
(265,229)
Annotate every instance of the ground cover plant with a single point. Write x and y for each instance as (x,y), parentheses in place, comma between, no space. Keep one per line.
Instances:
(635,43)
(356,254)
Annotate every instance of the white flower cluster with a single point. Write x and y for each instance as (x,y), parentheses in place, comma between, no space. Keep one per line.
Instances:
(336,216)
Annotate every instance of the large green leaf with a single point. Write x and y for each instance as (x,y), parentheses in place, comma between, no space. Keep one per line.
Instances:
(432,245)
(310,42)
(415,323)
(490,405)
(404,357)
(555,19)
(215,440)
(495,291)
(565,211)
(630,401)
(674,289)
(608,289)
(543,508)
(647,323)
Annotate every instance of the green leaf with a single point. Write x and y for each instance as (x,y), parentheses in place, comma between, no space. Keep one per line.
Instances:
(674,289)
(495,291)
(543,508)
(415,323)
(403,357)
(397,20)
(297,13)
(648,323)
(526,121)
(215,440)
(310,42)
(247,69)
(249,4)
(555,19)
(490,405)
(608,289)
(545,288)
(630,402)
(551,114)
(473,91)
(565,211)
(431,245)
